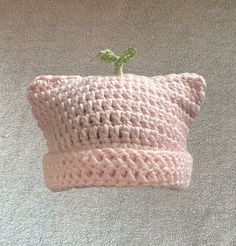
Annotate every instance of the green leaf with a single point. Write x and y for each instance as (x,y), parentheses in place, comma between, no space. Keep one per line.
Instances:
(118,61)
(107,56)
(128,54)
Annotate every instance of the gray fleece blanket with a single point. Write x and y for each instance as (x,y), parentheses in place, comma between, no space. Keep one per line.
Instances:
(63,38)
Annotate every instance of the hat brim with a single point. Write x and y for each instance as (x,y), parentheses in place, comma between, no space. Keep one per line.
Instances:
(118,167)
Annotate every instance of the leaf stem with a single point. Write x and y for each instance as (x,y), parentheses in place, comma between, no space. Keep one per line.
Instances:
(118,67)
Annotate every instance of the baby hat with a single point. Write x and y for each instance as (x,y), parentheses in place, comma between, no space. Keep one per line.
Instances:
(121,130)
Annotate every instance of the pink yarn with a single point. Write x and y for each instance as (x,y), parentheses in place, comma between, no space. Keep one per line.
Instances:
(126,130)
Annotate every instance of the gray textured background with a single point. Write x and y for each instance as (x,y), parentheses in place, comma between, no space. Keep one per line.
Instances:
(63,37)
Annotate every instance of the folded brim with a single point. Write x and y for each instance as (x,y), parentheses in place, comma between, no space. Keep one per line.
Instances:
(118,167)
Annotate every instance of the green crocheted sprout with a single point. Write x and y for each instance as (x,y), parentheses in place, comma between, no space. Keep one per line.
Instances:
(108,56)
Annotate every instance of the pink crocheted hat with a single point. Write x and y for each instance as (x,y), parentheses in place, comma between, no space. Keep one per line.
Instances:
(124,130)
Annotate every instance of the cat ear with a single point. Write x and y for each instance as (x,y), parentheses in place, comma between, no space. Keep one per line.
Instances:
(195,87)
(192,95)
(187,90)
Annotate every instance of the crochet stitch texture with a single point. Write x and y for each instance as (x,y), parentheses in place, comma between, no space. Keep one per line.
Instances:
(126,130)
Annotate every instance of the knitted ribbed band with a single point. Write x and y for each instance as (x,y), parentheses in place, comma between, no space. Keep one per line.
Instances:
(126,130)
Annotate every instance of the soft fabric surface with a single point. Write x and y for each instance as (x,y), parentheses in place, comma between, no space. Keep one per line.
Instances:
(63,37)
(126,130)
